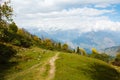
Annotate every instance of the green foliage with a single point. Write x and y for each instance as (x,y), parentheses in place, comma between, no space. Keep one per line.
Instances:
(25,34)
(6,52)
(6,17)
(13,28)
(73,50)
(59,45)
(25,43)
(65,47)
(116,62)
(6,12)
(103,57)
(16,42)
(3,30)
(78,50)
(118,57)
(19,40)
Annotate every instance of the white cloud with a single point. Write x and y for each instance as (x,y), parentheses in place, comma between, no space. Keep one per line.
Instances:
(34,6)
(103,5)
(65,14)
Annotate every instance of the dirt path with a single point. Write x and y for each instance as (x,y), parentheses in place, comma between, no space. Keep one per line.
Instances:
(52,67)
(40,70)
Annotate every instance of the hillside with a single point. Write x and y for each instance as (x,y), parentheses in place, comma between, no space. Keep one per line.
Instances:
(112,50)
(75,67)
(28,64)
(36,63)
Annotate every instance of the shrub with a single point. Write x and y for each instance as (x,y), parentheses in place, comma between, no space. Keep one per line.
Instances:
(6,52)
(103,57)
(16,42)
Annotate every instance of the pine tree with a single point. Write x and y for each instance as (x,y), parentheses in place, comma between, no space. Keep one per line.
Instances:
(78,50)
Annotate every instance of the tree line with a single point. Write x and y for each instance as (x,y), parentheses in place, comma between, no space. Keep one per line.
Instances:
(114,60)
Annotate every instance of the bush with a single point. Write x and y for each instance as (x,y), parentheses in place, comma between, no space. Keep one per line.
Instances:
(103,57)
(117,60)
(25,43)
(6,52)
(16,42)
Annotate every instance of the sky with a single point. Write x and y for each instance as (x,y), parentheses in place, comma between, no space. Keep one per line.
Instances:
(84,15)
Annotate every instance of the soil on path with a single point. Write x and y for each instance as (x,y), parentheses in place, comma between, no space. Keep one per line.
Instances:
(52,67)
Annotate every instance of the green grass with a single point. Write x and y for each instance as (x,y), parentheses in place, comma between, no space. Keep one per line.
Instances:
(47,68)
(27,64)
(33,64)
(76,67)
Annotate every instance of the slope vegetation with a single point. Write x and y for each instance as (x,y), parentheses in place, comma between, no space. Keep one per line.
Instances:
(28,64)
(40,64)
(76,67)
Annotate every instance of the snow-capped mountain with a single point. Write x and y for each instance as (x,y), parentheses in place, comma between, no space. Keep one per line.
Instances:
(98,39)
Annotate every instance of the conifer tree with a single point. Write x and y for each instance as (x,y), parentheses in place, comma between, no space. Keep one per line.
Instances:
(78,50)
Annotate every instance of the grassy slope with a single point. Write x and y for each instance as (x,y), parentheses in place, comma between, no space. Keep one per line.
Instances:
(32,64)
(76,67)
(28,65)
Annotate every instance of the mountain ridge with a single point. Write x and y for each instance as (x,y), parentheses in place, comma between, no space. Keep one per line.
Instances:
(100,39)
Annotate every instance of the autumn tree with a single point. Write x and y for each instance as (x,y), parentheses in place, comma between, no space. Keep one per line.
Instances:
(100,56)
(36,40)
(94,51)
(65,47)
(82,52)
(48,43)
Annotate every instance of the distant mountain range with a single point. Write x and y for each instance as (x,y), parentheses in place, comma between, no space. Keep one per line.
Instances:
(112,50)
(97,39)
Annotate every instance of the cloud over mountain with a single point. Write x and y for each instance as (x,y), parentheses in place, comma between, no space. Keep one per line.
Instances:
(85,15)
